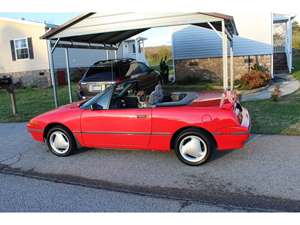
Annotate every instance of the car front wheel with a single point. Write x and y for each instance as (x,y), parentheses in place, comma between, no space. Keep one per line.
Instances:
(60,141)
(193,147)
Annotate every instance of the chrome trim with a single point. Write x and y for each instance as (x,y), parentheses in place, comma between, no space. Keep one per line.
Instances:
(126,133)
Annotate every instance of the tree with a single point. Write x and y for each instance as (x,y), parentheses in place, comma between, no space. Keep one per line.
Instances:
(296,35)
(155,54)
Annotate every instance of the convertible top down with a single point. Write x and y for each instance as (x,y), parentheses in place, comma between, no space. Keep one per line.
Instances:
(125,116)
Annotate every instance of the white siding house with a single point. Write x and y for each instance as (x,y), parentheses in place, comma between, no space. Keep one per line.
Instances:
(195,42)
(198,51)
(197,54)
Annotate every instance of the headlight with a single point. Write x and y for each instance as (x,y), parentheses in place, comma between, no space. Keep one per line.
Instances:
(33,122)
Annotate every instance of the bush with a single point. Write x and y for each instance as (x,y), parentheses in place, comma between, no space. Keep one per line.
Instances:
(257,77)
(276,93)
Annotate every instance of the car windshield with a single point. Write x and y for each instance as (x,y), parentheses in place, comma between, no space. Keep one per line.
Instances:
(96,97)
(100,73)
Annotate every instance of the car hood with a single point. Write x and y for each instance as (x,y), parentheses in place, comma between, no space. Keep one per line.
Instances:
(65,108)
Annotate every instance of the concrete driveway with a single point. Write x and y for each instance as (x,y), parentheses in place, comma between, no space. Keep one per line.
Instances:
(263,175)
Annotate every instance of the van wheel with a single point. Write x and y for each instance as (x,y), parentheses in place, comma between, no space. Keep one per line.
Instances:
(193,147)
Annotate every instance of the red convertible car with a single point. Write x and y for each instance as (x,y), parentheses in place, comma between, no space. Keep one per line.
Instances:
(126,117)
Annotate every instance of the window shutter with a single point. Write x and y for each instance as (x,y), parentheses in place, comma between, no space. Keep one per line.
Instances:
(12,47)
(30,48)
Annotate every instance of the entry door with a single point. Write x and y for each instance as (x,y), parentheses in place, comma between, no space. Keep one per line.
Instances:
(116,128)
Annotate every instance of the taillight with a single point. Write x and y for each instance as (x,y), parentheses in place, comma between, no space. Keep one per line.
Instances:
(240,117)
(238,111)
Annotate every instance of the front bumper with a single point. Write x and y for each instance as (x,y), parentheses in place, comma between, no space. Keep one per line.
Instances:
(36,133)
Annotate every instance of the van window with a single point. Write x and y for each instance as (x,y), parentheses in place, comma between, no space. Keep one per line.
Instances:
(100,73)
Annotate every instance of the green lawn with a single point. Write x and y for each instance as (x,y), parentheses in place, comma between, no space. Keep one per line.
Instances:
(296,64)
(31,102)
(282,117)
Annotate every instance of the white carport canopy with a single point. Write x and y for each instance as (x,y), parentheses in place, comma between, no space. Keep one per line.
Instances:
(107,31)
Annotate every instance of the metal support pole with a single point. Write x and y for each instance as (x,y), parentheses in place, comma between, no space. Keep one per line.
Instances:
(115,54)
(107,57)
(290,44)
(136,49)
(52,74)
(225,60)
(272,44)
(68,74)
(231,66)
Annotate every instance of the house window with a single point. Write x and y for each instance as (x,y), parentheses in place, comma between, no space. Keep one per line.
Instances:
(133,48)
(21,48)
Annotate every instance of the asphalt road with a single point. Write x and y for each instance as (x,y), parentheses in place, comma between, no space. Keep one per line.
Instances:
(264,175)
(20,194)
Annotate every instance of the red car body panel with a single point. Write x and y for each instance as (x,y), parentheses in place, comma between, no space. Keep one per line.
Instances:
(145,129)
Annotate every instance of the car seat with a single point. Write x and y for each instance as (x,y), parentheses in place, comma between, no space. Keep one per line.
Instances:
(157,95)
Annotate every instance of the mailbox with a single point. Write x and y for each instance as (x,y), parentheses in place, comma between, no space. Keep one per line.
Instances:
(5,81)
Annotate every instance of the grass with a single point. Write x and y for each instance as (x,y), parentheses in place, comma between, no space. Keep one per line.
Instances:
(296,64)
(31,102)
(282,117)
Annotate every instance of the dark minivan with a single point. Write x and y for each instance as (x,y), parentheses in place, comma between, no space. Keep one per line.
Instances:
(104,73)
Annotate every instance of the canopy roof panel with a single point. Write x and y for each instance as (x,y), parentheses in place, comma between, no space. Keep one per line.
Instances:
(282,18)
(111,29)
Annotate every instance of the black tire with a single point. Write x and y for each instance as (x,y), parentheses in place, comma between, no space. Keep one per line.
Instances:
(210,146)
(72,143)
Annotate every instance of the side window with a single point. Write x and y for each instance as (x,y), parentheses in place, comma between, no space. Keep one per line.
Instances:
(133,69)
(122,69)
(99,73)
(143,68)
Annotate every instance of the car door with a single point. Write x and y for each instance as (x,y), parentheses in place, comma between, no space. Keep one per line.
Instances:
(116,128)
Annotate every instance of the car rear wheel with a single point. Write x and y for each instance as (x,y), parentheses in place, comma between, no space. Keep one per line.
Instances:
(60,141)
(193,147)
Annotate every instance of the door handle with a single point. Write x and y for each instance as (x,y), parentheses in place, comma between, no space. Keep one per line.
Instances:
(141,116)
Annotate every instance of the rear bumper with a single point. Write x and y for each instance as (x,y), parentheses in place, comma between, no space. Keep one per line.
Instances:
(231,141)
(235,137)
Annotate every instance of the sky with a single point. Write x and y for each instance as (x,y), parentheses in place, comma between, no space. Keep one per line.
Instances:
(163,36)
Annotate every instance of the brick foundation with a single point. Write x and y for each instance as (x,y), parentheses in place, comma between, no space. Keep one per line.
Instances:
(211,69)
(41,78)
(37,78)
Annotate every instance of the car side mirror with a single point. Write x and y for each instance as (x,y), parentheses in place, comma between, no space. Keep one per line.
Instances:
(95,106)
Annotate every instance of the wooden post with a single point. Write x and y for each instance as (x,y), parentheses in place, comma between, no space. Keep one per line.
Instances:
(13,103)
(12,96)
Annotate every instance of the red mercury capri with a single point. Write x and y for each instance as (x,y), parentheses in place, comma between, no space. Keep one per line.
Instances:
(126,117)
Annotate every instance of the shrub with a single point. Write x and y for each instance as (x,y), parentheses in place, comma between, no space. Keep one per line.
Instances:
(257,77)
(276,93)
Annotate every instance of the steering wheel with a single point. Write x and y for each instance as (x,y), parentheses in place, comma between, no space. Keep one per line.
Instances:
(118,103)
